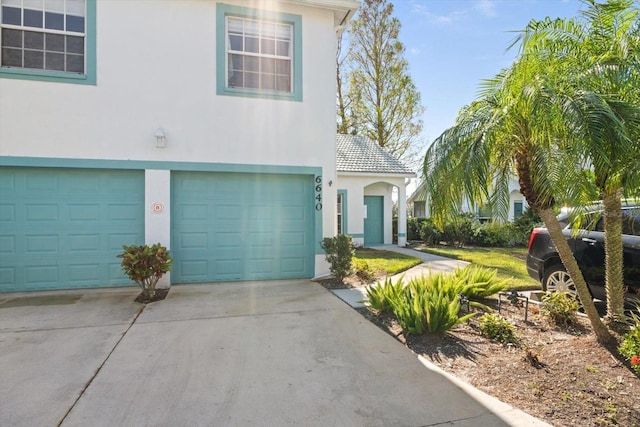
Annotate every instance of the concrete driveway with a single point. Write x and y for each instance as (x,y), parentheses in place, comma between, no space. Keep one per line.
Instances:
(251,353)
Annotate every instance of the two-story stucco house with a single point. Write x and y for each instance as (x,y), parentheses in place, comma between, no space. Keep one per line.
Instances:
(207,126)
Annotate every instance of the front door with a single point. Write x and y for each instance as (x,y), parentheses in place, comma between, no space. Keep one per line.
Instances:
(374,222)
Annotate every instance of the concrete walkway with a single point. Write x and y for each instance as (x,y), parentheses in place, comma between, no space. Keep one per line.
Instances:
(250,353)
(430,263)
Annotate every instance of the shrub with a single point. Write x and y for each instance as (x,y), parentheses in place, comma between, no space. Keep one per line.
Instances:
(379,297)
(429,233)
(630,346)
(523,225)
(363,271)
(145,265)
(458,231)
(493,234)
(413,227)
(497,328)
(340,252)
(479,282)
(561,307)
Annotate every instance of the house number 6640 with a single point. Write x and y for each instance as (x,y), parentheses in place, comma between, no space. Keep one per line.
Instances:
(318,193)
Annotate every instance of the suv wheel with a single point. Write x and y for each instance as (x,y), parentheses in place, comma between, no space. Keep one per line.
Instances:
(556,279)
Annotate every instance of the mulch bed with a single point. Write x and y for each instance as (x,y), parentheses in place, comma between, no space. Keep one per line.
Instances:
(558,374)
(160,294)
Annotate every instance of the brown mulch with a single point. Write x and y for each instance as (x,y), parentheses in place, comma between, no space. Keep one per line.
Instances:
(160,294)
(558,374)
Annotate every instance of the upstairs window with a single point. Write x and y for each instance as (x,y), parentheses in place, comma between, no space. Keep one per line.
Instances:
(46,38)
(259,53)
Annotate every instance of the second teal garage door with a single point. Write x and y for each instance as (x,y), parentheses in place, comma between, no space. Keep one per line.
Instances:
(237,226)
(62,228)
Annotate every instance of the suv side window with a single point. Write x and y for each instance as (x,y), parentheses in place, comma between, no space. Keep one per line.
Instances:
(631,222)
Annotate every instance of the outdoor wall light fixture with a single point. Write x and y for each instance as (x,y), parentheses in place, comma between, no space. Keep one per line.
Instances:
(161,139)
(330,182)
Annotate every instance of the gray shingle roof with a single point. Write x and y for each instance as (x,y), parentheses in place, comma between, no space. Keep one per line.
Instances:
(357,153)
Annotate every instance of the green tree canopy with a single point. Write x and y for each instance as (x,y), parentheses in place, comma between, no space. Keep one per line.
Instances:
(380,99)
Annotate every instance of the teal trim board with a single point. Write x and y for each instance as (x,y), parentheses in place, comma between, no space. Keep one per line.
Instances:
(62,228)
(88,78)
(318,206)
(402,234)
(236,226)
(345,211)
(157,165)
(225,10)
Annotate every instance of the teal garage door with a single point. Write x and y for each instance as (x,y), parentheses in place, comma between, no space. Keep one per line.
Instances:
(62,228)
(236,226)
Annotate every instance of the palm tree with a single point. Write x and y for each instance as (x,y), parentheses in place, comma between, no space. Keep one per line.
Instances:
(513,127)
(603,54)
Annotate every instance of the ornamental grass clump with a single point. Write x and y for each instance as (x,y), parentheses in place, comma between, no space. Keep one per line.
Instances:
(145,265)
(379,297)
(479,282)
(429,304)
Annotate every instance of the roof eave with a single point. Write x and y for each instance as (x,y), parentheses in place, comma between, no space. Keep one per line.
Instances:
(378,173)
(343,10)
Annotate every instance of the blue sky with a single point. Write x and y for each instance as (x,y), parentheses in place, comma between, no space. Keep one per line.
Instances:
(451,45)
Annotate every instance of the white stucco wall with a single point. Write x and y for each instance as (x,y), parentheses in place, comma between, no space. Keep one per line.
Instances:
(156,68)
(358,186)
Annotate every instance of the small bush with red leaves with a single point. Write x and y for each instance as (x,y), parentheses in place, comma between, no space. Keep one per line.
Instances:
(145,265)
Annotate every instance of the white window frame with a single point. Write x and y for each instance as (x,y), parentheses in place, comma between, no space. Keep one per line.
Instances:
(65,10)
(224,13)
(260,58)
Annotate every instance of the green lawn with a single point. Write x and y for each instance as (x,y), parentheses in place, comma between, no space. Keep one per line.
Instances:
(386,261)
(510,262)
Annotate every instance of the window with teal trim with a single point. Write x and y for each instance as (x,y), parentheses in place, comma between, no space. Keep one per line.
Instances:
(258,53)
(48,40)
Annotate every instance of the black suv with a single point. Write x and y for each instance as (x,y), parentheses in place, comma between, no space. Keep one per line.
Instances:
(543,262)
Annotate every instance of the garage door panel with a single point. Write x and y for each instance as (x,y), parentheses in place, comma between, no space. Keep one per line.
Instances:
(42,181)
(227,240)
(84,273)
(294,265)
(227,211)
(84,243)
(195,269)
(41,213)
(123,212)
(42,276)
(7,244)
(250,228)
(84,212)
(7,276)
(62,228)
(7,212)
(194,241)
(115,239)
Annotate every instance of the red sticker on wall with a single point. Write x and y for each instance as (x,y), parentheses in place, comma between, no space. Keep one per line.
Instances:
(157,208)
